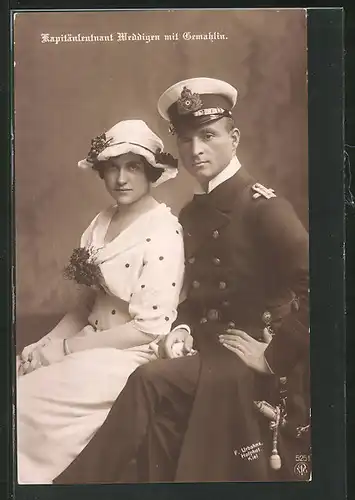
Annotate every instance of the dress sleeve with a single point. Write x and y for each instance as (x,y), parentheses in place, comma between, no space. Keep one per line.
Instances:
(155,297)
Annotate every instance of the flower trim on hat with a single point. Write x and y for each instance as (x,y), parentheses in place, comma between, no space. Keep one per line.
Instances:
(166,159)
(98,144)
(188,102)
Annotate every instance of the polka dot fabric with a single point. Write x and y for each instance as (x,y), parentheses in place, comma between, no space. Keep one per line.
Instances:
(154,303)
(143,266)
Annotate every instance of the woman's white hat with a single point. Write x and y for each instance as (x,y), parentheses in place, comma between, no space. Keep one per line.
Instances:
(131,136)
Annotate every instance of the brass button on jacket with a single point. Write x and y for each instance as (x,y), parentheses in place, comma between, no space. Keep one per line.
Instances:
(213,314)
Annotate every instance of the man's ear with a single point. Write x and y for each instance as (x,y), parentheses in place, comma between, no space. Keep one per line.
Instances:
(235,134)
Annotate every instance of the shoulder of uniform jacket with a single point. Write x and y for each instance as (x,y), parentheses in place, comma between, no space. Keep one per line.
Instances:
(260,191)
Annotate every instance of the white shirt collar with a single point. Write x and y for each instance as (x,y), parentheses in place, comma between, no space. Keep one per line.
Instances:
(231,169)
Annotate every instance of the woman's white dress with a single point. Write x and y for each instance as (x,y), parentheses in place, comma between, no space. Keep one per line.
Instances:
(61,406)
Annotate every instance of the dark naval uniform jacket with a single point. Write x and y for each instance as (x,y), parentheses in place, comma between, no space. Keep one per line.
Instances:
(246,268)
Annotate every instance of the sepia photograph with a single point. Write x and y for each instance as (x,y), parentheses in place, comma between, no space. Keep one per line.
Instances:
(160,170)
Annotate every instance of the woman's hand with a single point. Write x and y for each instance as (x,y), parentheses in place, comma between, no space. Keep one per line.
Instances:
(169,347)
(29,349)
(249,350)
(145,353)
(49,353)
(27,365)
(28,361)
(46,351)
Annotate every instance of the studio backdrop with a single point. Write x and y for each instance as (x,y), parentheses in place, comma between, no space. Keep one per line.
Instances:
(78,73)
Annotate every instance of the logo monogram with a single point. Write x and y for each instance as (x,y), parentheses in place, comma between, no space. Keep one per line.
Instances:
(301,469)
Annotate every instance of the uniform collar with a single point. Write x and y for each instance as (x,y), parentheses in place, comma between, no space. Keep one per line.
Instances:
(228,172)
(211,212)
(226,195)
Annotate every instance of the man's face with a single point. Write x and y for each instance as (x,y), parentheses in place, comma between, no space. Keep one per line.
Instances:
(206,150)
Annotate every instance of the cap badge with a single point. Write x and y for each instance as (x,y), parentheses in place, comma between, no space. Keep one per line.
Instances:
(188,102)
(98,144)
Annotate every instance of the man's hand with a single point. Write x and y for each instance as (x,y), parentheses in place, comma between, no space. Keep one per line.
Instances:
(169,346)
(249,350)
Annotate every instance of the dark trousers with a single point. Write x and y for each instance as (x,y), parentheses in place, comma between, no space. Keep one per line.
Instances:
(147,422)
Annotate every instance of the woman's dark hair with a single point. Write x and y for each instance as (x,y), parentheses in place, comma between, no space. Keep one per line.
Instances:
(152,173)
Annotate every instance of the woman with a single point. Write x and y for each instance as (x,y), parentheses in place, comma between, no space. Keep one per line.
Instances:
(131,258)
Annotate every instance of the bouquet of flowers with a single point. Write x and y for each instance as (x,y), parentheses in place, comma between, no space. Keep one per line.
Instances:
(83,268)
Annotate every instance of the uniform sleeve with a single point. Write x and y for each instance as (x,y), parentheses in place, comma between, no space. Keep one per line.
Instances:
(286,246)
(184,316)
(154,301)
(184,313)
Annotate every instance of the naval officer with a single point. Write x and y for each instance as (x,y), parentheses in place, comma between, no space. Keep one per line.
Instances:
(236,410)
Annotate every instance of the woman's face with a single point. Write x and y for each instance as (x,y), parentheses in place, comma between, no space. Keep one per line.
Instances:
(125,179)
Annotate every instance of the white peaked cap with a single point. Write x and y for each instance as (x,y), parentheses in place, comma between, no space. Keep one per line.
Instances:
(202,86)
